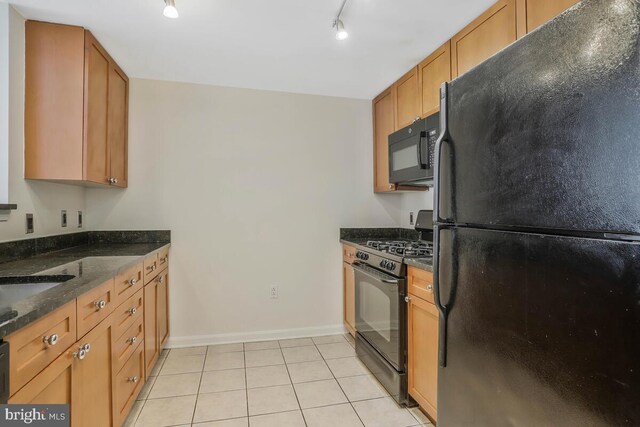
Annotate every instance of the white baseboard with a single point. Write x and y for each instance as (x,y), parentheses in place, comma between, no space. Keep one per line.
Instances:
(198,340)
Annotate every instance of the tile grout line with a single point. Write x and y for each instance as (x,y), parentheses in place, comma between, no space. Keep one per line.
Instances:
(340,385)
(295,393)
(246,381)
(204,362)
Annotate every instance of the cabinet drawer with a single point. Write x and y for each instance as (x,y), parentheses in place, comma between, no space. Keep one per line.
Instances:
(125,346)
(128,283)
(127,314)
(35,346)
(150,267)
(94,306)
(420,283)
(163,258)
(128,383)
(348,254)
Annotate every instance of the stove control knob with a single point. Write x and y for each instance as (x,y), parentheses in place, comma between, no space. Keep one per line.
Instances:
(391,265)
(383,264)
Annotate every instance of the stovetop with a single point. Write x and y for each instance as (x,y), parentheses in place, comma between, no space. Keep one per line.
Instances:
(403,248)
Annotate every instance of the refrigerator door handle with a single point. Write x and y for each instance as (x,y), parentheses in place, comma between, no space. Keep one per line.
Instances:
(442,138)
(442,309)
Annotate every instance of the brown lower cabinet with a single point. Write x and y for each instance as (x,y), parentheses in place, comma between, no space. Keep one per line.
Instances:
(99,374)
(423,321)
(349,289)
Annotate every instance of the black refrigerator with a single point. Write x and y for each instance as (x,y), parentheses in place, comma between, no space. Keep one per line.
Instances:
(537,213)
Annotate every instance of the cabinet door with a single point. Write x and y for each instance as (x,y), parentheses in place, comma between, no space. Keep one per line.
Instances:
(489,33)
(96,92)
(533,13)
(163,308)
(407,99)
(349,298)
(117,125)
(432,72)
(93,378)
(150,327)
(423,354)
(51,386)
(383,125)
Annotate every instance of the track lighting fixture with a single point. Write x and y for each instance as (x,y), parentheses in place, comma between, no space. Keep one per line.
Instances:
(341,33)
(170,10)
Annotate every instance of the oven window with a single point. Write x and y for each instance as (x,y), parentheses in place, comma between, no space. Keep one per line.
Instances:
(375,309)
(404,158)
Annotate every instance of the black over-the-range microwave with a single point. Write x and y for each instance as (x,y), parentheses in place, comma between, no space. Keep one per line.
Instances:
(411,152)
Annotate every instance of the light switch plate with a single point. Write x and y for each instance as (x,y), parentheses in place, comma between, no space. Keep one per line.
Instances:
(29,223)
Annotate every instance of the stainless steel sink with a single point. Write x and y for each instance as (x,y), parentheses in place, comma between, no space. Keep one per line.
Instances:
(16,288)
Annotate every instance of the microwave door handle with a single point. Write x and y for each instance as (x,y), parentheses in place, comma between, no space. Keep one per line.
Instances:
(422,164)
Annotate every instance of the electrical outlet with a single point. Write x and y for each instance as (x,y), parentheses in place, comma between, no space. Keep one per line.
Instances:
(79,219)
(274,292)
(29,223)
(63,218)
(411,221)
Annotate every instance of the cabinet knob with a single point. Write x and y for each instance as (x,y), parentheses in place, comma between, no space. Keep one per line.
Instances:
(100,304)
(390,186)
(160,279)
(133,379)
(407,299)
(50,340)
(165,259)
(86,347)
(132,311)
(115,180)
(132,282)
(133,340)
(430,288)
(80,354)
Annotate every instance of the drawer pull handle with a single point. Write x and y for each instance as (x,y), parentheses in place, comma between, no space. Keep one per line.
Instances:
(50,340)
(100,304)
(133,340)
(430,288)
(133,379)
(82,351)
(132,282)
(132,311)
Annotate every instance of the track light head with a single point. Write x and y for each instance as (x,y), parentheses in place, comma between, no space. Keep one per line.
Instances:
(170,10)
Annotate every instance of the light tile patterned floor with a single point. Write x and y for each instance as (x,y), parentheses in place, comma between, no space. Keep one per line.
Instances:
(312,382)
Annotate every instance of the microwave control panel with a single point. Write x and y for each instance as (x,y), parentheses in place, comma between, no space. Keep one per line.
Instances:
(432,137)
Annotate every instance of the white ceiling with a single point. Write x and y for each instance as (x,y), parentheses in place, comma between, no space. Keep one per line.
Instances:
(283,45)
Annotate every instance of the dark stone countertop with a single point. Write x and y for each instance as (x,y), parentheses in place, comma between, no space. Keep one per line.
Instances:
(92,264)
(422,263)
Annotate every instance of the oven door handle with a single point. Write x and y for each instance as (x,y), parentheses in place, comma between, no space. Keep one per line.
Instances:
(362,270)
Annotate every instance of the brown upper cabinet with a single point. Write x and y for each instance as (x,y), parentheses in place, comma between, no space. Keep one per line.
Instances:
(432,72)
(417,93)
(76,108)
(383,124)
(492,31)
(533,13)
(407,99)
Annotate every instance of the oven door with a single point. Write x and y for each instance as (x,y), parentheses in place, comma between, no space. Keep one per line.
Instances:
(381,313)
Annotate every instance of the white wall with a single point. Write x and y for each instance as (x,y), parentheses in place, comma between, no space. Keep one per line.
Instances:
(254,186)
(44,200)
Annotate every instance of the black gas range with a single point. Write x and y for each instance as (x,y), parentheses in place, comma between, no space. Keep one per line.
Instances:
(389,255)
(381,308)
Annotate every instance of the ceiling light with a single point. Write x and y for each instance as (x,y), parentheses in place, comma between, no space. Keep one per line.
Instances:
(341,33)
(170,10)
